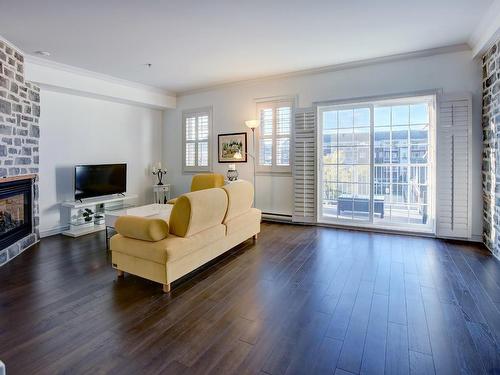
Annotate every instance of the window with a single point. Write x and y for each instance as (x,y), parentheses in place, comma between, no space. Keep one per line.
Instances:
(376,163)
(197,128)
(274,136)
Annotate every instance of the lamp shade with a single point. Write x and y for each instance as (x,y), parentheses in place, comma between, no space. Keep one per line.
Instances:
(238,155)
(252,124)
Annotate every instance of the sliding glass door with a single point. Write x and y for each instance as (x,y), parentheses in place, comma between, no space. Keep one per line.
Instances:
(376,163)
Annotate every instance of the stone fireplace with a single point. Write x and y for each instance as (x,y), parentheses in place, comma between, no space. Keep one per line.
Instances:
(19,156)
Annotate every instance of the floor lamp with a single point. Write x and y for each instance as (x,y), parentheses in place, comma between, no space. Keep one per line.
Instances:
(251,124)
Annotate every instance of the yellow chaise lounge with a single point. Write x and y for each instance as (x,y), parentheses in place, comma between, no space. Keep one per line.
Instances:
(203,225)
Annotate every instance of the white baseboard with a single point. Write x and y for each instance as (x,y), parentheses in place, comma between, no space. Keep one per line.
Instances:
(53,231)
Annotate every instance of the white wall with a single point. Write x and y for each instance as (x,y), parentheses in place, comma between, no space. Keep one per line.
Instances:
(83,130)
(452,72)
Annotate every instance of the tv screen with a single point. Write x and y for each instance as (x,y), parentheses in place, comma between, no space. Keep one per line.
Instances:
(98,180)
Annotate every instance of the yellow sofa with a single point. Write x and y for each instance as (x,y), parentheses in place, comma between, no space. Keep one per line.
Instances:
(204,181)
(203,225)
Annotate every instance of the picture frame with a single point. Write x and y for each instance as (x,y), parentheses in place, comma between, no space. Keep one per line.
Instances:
(229,144)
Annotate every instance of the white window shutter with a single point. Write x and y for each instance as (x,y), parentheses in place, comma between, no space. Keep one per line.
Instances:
(304,166)
(453,144)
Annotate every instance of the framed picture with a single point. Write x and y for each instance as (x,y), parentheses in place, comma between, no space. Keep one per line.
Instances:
(230,145)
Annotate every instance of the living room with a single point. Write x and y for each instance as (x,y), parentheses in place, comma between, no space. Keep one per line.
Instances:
(228,187)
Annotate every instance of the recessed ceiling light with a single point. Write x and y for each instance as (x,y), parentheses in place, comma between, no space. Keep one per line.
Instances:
(43,53)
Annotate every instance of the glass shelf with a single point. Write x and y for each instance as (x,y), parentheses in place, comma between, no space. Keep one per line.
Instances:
(120,207)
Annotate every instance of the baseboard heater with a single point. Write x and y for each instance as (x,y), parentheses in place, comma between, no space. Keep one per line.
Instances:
(269,216)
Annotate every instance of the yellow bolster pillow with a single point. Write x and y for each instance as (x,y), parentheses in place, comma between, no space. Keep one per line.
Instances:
(142,228)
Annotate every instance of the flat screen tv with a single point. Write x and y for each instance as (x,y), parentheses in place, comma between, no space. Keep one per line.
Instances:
(101,179)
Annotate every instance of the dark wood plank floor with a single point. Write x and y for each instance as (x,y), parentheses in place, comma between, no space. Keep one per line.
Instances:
(302,300)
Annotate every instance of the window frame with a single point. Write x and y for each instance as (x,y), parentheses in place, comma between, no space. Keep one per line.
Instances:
(405,99)
(274,103)
(197,112)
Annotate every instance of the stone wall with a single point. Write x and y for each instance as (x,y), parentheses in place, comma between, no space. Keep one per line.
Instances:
(19,133)
(491,152)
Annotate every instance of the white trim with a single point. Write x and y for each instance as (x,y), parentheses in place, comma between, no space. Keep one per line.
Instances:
(487,31)
(332,68)
(53,231)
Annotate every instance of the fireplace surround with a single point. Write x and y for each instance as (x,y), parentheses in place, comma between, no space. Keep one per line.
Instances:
(19,155)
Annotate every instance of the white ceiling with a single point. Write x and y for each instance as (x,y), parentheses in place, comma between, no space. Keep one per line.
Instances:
(196,43)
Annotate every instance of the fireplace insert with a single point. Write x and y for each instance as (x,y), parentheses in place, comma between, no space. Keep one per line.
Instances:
(15,211)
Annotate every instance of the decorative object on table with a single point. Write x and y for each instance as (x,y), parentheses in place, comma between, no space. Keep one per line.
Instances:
(161,193)
(98,219)
(232,173)
(251,124)
(87,215)
(230,145)
(159,172)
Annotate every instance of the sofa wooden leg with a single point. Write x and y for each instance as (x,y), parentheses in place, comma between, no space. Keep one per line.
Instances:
(120,273)
(166,288)
(255,236)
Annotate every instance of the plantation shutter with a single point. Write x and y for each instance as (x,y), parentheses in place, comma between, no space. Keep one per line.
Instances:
(304,166)
(454,166)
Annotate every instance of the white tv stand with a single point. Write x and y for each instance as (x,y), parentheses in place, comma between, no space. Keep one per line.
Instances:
(74,212)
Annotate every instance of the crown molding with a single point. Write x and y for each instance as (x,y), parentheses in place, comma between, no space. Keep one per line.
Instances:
(6,41)
(487,31)
(89,73)
(332,68)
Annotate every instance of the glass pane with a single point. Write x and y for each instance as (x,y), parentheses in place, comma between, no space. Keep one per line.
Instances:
(190,128)
(399,193)
(283,151)
(361,136)
(343,155)
(190,154)
(418,154)
(400,136)
(266,121)
(330,138)
(382,116)
(361,174)
(266,152)
(345,173)
(382,137)
(399,154)
(329,120)
(283,120)
(345,137)
(202,127)
(363,155)
(400,174)
(329,174)
(345,118)
(330,192)
(419,113)
(330,155)
(345,200)
(419,133)
(203,154)
(361,117)
(418,193)
(418,174)
(400,115)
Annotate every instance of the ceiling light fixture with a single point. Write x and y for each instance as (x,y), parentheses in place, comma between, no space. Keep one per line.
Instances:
(43,53)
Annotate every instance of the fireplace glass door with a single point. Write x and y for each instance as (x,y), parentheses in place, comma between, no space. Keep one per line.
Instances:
(15,211)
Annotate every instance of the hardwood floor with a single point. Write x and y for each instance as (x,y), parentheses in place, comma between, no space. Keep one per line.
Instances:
(301,300)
